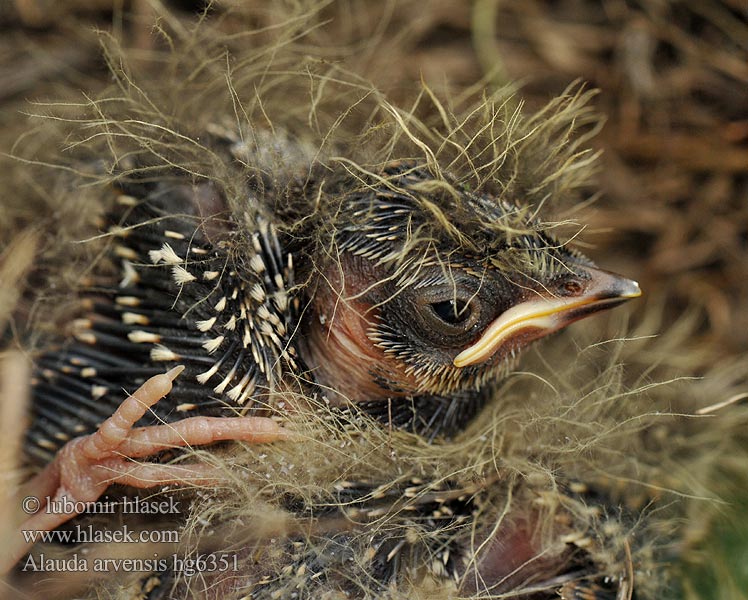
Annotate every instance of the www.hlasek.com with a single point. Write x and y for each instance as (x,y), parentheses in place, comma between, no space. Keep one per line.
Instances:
(186,565)
(88,534)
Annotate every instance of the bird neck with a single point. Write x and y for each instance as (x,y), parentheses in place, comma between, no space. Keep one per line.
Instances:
(335,344)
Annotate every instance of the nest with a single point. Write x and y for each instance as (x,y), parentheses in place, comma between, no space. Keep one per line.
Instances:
(609,448)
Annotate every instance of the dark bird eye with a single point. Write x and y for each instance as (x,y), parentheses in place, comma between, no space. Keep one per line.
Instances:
(451,311)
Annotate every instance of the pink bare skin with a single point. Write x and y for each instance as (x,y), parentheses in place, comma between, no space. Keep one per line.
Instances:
(86,466)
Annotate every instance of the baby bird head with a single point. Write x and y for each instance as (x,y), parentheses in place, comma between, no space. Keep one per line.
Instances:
(434,289)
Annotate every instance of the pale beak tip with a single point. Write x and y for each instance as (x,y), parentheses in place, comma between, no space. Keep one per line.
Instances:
(630,289)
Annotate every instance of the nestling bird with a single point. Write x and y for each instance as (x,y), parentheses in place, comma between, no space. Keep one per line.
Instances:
(413,313)
(412,309)
(402,286)
(432,290)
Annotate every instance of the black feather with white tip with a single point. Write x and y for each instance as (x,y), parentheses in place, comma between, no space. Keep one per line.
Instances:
(193,289)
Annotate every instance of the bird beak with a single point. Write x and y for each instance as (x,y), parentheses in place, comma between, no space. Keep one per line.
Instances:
(544,314)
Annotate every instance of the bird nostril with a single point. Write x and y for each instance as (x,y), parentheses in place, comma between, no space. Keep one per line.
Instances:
(571,288)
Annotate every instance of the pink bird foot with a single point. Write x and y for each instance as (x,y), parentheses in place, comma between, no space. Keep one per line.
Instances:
(86,466)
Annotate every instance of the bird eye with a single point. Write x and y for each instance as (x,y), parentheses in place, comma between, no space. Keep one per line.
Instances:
(452,312)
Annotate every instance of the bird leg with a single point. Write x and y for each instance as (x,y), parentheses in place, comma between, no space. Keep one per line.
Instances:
(85,467)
